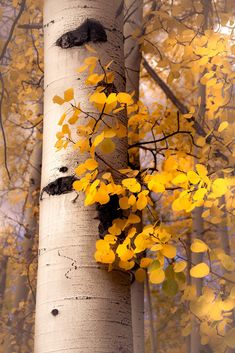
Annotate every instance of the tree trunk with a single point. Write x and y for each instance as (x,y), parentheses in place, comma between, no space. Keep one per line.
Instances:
(81,307)
(20,334)
(133,22)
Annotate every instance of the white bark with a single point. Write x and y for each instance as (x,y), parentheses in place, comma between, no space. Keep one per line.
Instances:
(94,312)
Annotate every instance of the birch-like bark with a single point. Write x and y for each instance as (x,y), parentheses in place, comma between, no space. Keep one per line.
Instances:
(81,307)
(132,23)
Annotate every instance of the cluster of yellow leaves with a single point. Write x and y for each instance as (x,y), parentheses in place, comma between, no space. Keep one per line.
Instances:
(214,311)
(197,66)
(124,244)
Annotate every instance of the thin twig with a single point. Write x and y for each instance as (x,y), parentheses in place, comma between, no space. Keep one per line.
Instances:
(2,129)
(4,49)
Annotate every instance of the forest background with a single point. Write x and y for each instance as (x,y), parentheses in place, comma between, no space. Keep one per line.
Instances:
(182,132)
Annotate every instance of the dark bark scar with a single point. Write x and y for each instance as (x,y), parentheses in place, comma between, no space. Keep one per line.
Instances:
(62,185)
(90,30)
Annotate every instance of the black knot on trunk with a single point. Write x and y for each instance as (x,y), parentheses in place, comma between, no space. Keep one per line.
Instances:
(89,31)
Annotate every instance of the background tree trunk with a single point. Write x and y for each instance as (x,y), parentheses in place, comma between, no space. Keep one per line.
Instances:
(20,333)
(133,22)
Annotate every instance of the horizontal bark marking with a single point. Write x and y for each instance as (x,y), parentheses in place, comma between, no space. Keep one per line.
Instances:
(89,31)
(63,169)
(60,186)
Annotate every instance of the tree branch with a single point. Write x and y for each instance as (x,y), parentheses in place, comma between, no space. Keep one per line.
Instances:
(2,128)
(31,26)
(168,92)
(4,49)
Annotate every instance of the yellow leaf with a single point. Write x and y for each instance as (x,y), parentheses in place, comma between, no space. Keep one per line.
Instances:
(170,164)
(131,232)
(157,276)
(102,196)
(179,179)
(131,184)
(123,203)
(115,229)
(124,253)
(132,200)
(68,95)
(227,262)
(58,100)
(169,251)
(66,129)
(156,247)
(111,239)
(115,111)
(199,194)
(140,275)
(201,141)
(111,103)
(62,118)
(220,187)
(104,254)
(223,126)
(141,202)
(156,184)
(201,169)
(200,270)
(133,219)
(179,266)
(198,246)
(73,119)
(107,146)
(81,169)
(126,265)
(182,203)
(82,68)
(91,164)
(99,100)
(126,98)
(98,139)
(59,144)
(93,79)
(193,177)
(109,133)
(145,262)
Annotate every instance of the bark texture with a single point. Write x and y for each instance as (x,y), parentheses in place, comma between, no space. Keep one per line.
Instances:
(81,308)
(133,22)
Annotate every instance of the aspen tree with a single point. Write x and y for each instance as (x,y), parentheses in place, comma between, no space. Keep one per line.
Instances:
(80,306)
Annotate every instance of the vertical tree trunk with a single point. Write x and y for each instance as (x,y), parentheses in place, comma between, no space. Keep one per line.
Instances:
(133,22)
(20,335)
(198,222)
(198,227)
(3,275)
(80,306)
